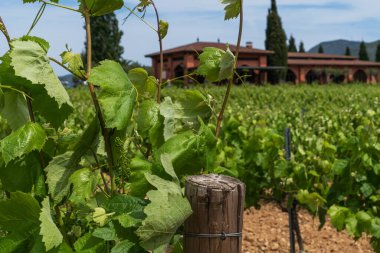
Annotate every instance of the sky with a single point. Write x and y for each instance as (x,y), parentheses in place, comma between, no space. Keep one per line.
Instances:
(311,21)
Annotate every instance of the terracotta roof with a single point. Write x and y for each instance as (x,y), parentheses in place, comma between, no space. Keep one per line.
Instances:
(319,56)
(198,47)
(332,63)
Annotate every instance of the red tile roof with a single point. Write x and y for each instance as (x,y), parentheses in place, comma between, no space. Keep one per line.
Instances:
(319,56)
(309,62)
(198,47)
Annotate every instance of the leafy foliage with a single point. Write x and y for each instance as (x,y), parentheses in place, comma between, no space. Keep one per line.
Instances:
(51,236)
(117,96)
(216,64)
(232,9)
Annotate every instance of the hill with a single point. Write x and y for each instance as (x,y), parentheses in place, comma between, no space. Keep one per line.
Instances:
(339,47)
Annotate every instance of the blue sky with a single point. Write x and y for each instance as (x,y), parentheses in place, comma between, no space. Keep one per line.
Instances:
(312,21)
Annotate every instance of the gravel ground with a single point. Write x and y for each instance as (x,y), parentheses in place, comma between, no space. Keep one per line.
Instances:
(267,230)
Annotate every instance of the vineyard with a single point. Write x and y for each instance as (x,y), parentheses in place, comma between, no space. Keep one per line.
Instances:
(101,168)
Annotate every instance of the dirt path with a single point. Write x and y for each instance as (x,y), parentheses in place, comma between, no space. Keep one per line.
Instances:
(266,230)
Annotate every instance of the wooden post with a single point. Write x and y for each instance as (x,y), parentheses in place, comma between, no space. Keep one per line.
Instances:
(217,220)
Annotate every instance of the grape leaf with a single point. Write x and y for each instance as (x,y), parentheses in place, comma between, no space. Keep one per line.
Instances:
(51,236)
(21,174)
(99,8)
(232,10)
(15,110)
(23,141)
(209,63)
(29,60)
(338,216)
(84,183)
(227,65)
(123,247)
(19,214)
(146,85)
(339,167)
(167,210)
(164,27)
(74,62)
(58,174)
(147,117)
(117,97)
(90,244)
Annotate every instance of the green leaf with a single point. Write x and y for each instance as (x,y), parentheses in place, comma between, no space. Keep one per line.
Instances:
(160,183)
(21,174)
(147,117)
(30,61)
(120,204)
(166,212)
(164,27)
(312,200)
(227,65)
(117,97)
(105,233)
(209,63)
(339,167)
(99,8)
(145,85)
(338,216)
(15,110)
(100,216)
(232,10)
(19,214)
(139,186)
(12,243)
(51,236)
(167,163)
(84,183)
(185,112)
(90,244)
(375,227)
(190,153)
(352,226)
(26,139)
(123,247)
(366,189)
(58,175)
(74,62)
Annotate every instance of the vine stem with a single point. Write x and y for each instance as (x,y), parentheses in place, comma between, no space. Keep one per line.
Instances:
(3,29)
(105,133)
(161,52)
(67,69)
(60,6)
(230,83)
(142,20)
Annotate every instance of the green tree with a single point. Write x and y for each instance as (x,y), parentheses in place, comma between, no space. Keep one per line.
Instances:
(348,51)
(292,44)
(276,42)
(378,53)
(302,47)
(320,49)
(106,38)
(363,54)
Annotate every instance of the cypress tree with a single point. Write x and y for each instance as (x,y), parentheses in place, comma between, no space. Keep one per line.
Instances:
(321,50)
(348,51)
(292,44)
(276,42)
(302,47)
(363,54)
(106,38)
(378,52)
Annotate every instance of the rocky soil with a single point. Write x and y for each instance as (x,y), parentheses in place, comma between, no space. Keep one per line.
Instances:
(267,230)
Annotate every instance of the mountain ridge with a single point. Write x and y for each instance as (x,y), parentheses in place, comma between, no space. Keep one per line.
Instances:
(339,47)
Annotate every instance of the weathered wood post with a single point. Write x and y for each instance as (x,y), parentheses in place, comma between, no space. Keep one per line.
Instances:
(217,220)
